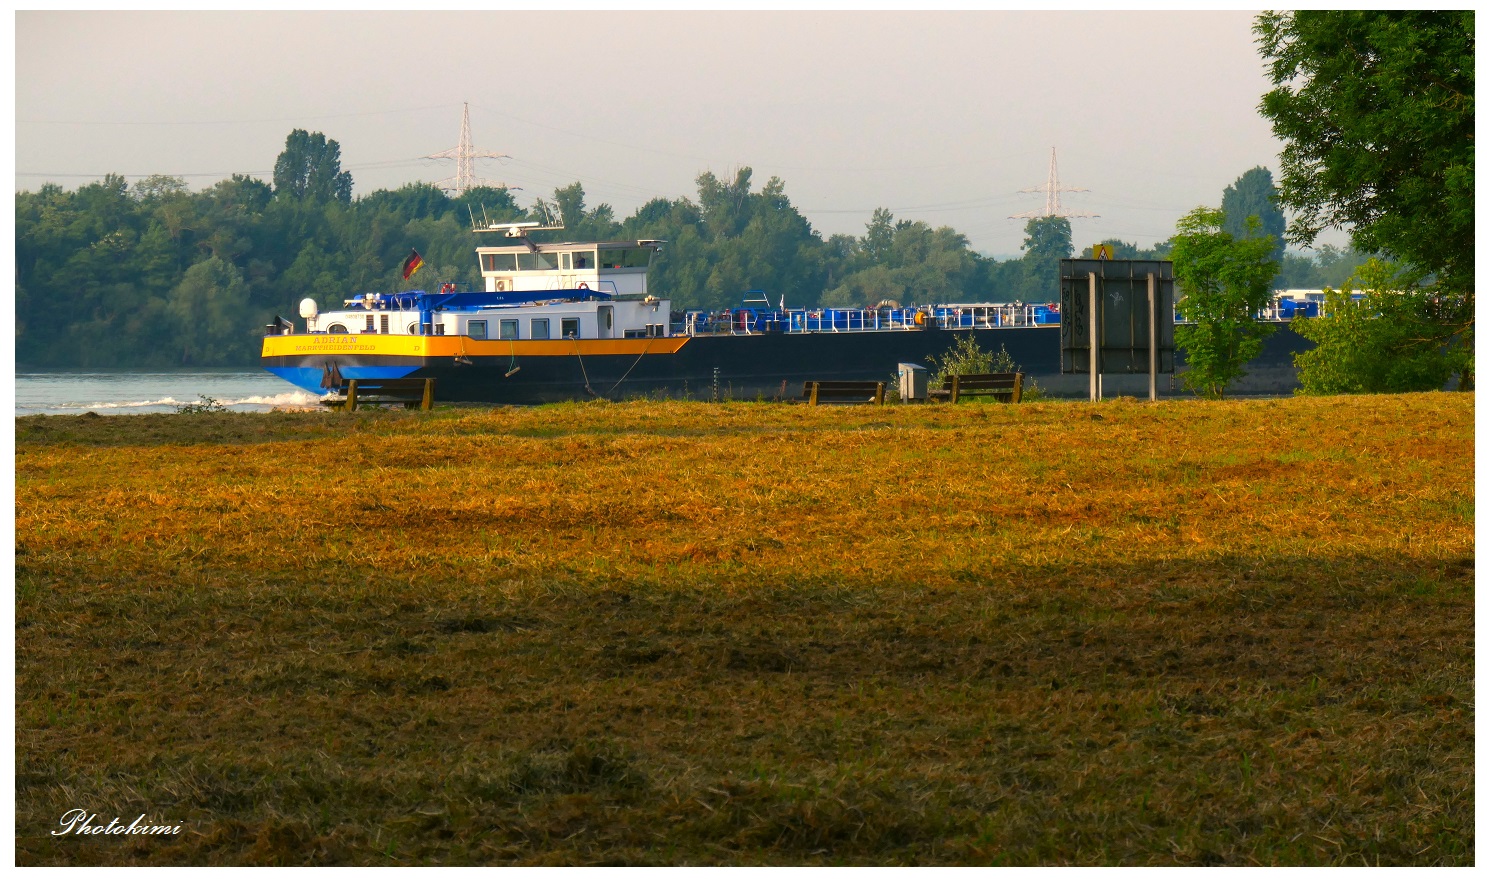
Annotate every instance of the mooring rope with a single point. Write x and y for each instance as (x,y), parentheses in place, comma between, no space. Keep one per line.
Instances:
(581,366)
(632,366)
(512,368)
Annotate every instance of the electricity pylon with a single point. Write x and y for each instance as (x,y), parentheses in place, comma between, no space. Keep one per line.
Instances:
(464,156)
(1052,207)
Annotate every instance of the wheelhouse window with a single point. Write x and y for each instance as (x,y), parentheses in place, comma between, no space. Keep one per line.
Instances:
(536,262)
(539,328)
(508,329)
(476,329)
(583,259)
(570,327)
(625,258)
(498,262)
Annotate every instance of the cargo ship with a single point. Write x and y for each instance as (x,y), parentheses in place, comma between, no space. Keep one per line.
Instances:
(578,320)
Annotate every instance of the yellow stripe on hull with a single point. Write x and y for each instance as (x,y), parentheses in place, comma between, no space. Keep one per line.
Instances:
(450,346)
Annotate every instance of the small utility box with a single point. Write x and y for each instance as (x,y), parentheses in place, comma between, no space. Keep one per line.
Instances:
(913,382)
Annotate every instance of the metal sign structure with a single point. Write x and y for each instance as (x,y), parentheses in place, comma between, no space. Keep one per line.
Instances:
(1106,306)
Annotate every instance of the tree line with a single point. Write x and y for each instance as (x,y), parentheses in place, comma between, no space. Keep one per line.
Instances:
(154,274)
(1377,113)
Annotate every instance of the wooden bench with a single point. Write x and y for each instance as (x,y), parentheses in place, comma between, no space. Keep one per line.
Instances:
(1005,386)
(842,393)
(411,392)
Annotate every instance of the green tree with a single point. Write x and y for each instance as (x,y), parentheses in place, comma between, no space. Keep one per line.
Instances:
(1125,250)
(906,261)
(1223,281)
(120,262)
(1049,239)
(579,223)
(1253,195)
(310,168)
(569,200)
(412,201)
(1377,111)
(725,206)
(488,203)
(213,321)
(877,244)
(1394,339)
(1297,273)
(1336,266)
(1327,266)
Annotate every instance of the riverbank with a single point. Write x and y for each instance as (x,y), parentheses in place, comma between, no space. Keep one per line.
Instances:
(1178,633)
(151,391)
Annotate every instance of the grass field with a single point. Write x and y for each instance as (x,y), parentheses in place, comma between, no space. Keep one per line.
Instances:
(682,633)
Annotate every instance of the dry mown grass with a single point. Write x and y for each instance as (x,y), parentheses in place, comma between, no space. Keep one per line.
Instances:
(1175,633)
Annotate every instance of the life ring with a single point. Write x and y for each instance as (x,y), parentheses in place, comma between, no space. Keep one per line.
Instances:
(582,285)
(918,318)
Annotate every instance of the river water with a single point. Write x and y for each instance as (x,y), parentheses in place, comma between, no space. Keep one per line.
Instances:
(129,392)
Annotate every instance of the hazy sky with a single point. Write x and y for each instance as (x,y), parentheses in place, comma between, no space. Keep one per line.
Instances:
(941,117)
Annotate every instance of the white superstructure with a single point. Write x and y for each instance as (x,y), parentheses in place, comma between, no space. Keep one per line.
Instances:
(533,291)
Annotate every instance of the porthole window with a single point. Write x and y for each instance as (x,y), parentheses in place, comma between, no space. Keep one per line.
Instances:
(336,328)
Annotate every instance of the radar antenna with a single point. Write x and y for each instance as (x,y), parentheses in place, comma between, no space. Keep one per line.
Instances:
(519,230)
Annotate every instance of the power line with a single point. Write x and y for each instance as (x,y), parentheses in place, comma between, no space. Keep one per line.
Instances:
(1052,206)
(706,161)
(365,166)
(585,136)
(464,155)
(232,121)
(123,174)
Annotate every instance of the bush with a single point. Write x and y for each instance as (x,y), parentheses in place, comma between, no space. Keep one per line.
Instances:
(204,404)
(965,357)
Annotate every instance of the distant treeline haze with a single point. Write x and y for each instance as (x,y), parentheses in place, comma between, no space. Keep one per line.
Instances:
(154,275)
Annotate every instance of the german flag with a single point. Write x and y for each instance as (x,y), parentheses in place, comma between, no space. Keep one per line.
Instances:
(413,263)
